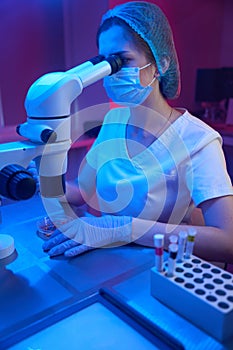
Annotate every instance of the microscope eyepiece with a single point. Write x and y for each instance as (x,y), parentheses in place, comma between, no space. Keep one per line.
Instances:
(115,62)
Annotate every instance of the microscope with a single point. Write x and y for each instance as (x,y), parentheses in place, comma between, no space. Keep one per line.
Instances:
(48,130)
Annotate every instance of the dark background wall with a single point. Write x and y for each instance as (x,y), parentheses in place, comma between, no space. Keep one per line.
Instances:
(47,35)
(32,43)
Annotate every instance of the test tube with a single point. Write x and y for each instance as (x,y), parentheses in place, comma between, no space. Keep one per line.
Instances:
(190,243)
(172,248)
(181,245)
(159,244)
(173,239)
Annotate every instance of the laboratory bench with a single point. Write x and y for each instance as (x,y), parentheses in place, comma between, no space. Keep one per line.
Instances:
(35,289)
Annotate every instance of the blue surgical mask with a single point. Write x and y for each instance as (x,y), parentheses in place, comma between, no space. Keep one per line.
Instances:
(124,87)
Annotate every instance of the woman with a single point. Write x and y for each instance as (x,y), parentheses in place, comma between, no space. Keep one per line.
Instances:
(151,164)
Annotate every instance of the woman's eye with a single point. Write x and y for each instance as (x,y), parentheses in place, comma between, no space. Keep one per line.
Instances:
(125,61)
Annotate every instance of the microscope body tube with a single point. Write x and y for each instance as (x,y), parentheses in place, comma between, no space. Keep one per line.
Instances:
(90,76)
(52,95)
(96,69)
(56,90)
(85,65)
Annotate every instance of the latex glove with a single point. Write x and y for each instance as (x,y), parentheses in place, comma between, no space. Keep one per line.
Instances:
(88,233)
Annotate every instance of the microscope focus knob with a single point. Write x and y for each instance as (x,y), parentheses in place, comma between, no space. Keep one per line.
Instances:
(16,183)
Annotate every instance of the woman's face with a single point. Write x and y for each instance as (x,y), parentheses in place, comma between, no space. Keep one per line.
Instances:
(116,41)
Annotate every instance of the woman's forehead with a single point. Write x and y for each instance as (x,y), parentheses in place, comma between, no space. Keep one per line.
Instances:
(115,40)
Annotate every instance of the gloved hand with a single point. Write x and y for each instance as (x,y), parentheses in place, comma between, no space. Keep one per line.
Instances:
(87,233)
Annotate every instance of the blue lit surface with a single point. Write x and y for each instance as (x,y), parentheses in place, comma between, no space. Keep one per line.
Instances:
(94,327)
(34,286)
(136,290)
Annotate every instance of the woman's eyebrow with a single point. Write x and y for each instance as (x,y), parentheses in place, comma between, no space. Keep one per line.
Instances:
(119,52)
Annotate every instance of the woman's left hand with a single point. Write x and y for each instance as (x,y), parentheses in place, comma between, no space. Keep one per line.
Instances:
(87,233)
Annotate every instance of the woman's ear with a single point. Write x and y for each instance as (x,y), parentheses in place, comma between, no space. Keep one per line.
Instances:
(165,63)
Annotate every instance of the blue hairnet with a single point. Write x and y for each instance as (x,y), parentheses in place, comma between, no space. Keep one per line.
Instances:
(148,20)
